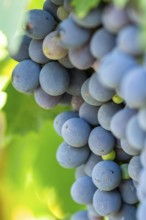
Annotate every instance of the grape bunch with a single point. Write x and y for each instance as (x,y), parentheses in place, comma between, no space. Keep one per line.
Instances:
(97,65)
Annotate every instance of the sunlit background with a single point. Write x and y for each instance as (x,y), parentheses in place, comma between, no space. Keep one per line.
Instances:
(32,185)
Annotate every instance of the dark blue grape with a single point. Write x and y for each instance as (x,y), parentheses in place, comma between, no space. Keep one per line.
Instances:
(102,42)
(44,100)
(77,78)
(82,190)
(66,62)
(80,172)
(90,163)
(106,175)
(121,118)
(51,8)
(106,112)
(71,35)
(128,192)
(98,91)
(62,118)
(80,215)
(89,113)
(25,76)
(113,67)
(54,78)
(114,18)
(127,212)
(128,40)
(133,88)
(38,23)
(58,2)
(36,52)
(134,168)
(75,132)
(22,51)
(135,135)
(142,118)
(86,95)
(106,203)
(81,57)
(71,157)
(128,148)
(101,141)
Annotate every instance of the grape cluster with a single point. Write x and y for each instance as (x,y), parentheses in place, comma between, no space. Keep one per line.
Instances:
(97,65)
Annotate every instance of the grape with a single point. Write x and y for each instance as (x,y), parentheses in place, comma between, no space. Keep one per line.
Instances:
(52,48)
(141,213)
(114,18)
(90,163)
(62,13)
(66,62)
(133,87)
(106,112)
(89,113)
(106,203)
(124,170)
(71,157)
(76,102)
(51,8)
(54,78)
(134,168)
(82,190)
(128,192)
(75,132)
(25,76)
(109,156)
(141,189)
(81,215)
(91,20)
(122,156)
(98,91)
(22,51)
(67,5)
(102,42)
(92,214)
(121,118)
(106,175)
(65,99)
(80,172)
(101,141)
(39,23)
(62,118)
(86,95)
(113,67)
(127,212)
(81,57)
(128,148)
(135,135)
(128,40)
(58,2)
(36,52)
(142,118)
(44,100)
(77,78)
(71,35)
(143,156)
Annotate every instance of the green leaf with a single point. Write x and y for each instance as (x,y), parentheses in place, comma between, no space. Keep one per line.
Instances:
(120,3)
(83,7)
(32,170)
(24,115)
